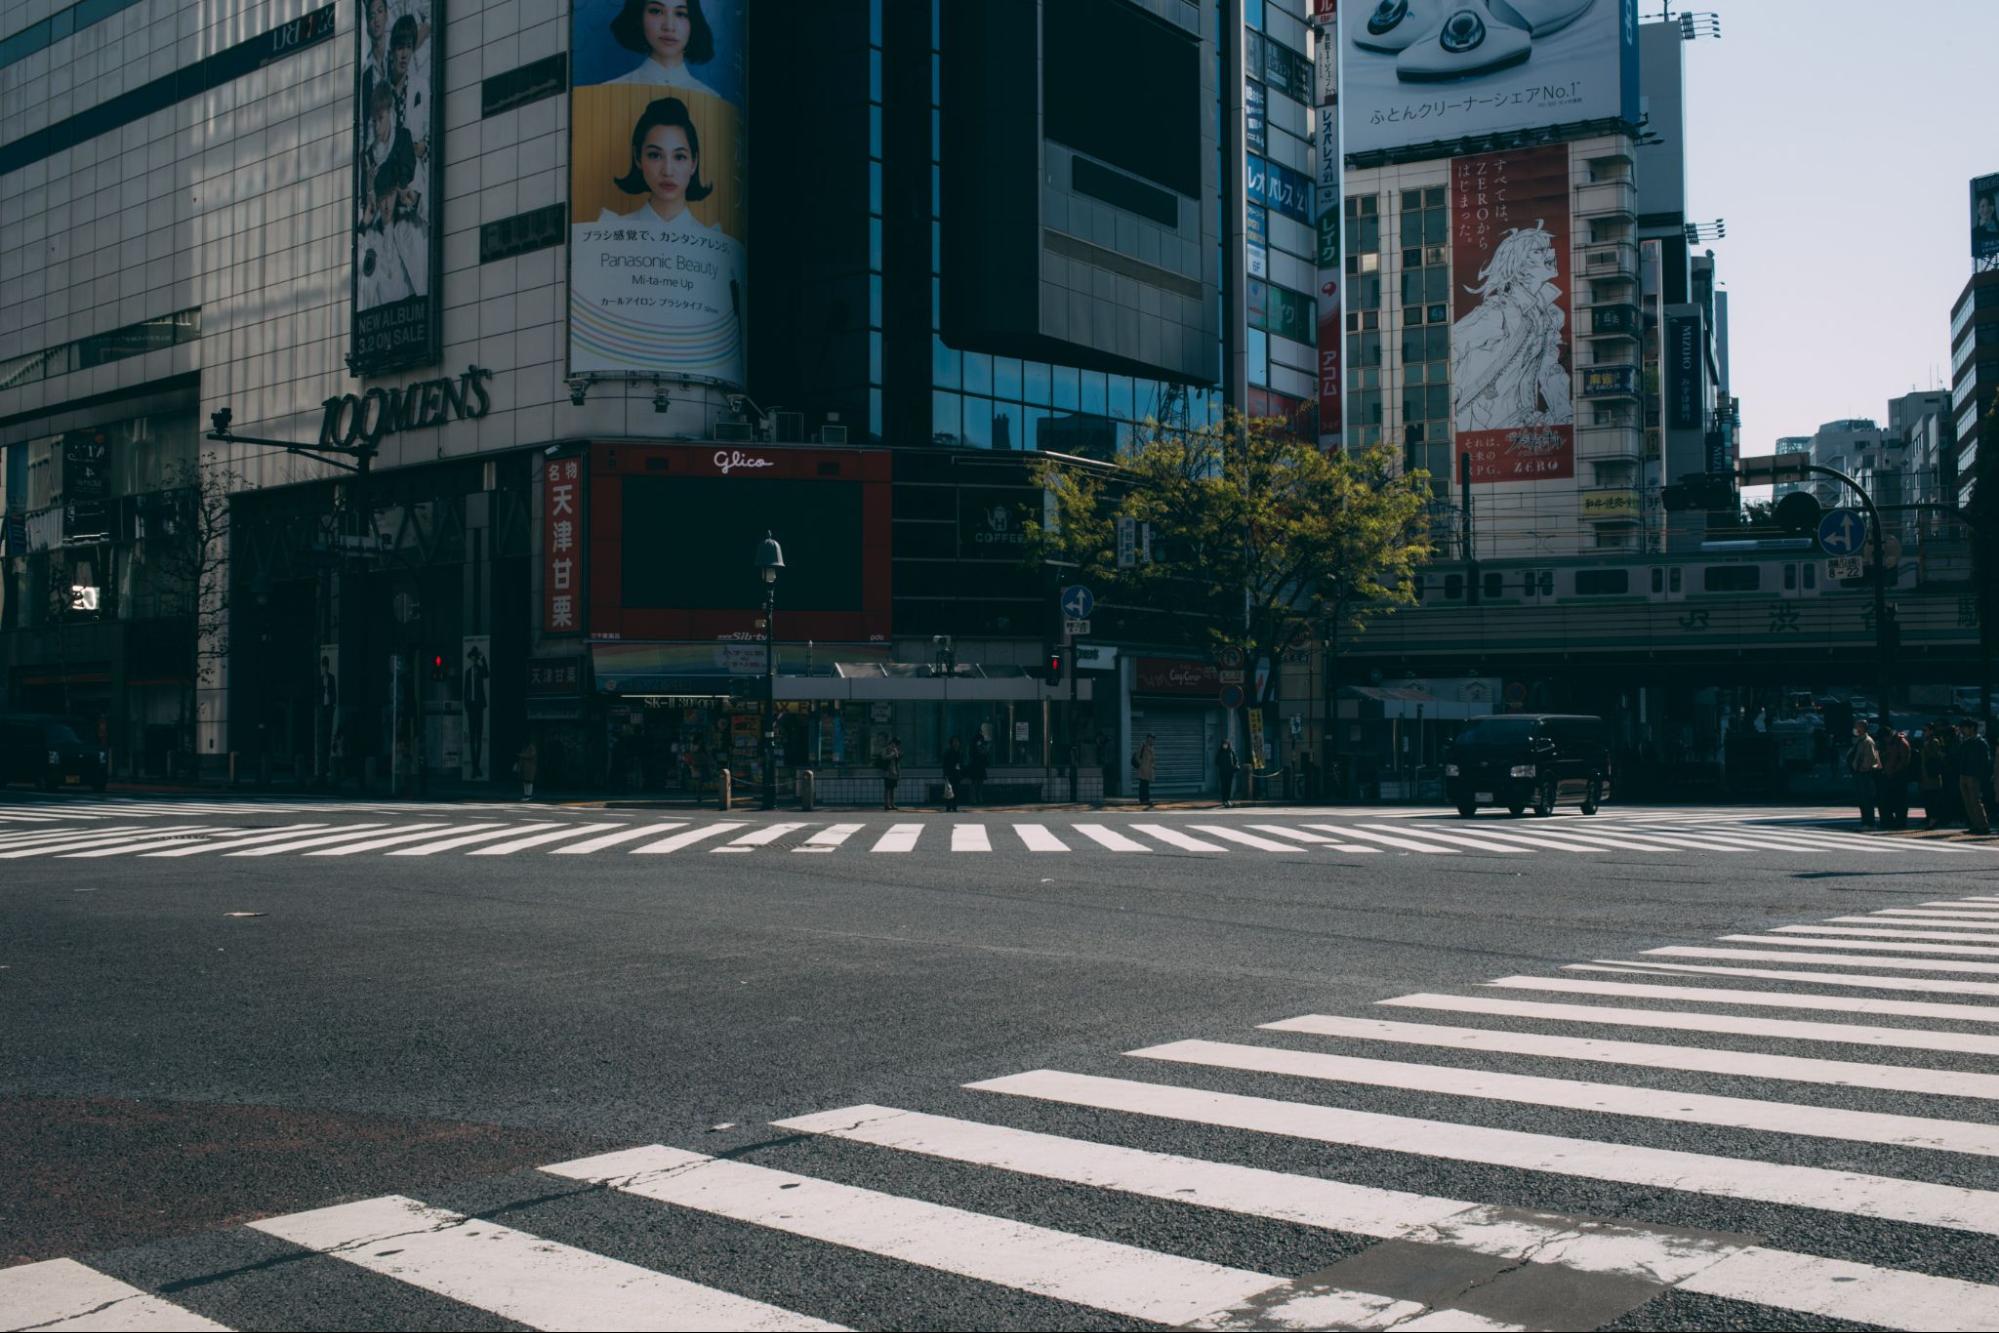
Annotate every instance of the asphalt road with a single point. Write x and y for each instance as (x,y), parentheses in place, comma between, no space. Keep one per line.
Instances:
(308,1065)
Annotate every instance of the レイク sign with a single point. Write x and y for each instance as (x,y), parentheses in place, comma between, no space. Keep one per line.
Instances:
(562,546)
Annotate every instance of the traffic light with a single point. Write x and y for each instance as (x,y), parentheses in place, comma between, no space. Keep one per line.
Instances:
(437,667)
(1054,665)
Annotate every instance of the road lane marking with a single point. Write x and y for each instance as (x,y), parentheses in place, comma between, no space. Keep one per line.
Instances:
(77,841)
(1314,839)
(516,1275)
(1399,843)
(352,832)
(1883,933)
(1476,841)
(1102,1274)
(1109,838)
(1173,837)
(1881,1197)
(430,838)
(829,838)
(899,838)
(675,842)
(1236,835)
(230,843)
(1654,1056)
(1766,999)
(614,839)
(540,839)
(970,838)
(759,837)
(1039,839)
(1878,946)
(1864,980)
(1830,959)
(153,841)
(63,1294)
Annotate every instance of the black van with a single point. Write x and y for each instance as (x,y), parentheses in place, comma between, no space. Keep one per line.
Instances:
(48,753)
(1522,759)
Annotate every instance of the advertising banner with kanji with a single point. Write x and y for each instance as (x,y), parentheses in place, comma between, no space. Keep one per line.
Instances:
(561,547)
(1330,206)
(1511,345)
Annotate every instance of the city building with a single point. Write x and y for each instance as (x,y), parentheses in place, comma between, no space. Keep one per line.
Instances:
(1974,382)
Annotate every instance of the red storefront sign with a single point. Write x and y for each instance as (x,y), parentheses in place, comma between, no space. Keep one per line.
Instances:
(1174,676)
(1511,339)
(562,547)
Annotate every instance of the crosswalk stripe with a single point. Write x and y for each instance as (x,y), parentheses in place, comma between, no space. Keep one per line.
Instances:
(1830,959)
(1173,837)
(157,839)
(1812,842)
(1103,1274)
(433,837)
(1109,838)
(78,841)
(899,838)
(1881,1197)
(1649,838)
(64,1294)
(516,1275)
(1653,1055)
(1863,980)
(1782,1278)
(540,839)
(1039,839)
(351,832)
(676,841)
(48,833)
(1967,921)
(1478,841)
(970,838)
(1236,835)
(829,838)
(1846,1034)
(624,835)
(1766,999)
(227,841)
(1314,839)
(465,837)
(1879,946)
(1566,842)
(1883,933)
(1399,843)
(761,837)
(1950,928)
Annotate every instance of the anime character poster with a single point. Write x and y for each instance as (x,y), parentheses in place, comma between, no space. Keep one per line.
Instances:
(398,186)
(1511,338)
(657,197)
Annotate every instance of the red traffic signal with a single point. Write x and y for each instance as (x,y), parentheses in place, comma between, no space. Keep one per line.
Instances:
(437,666)
(1054,664)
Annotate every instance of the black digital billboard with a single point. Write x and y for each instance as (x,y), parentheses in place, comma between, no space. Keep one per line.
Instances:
(674,528)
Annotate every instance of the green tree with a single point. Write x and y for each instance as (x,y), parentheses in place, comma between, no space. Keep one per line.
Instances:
(1265,541)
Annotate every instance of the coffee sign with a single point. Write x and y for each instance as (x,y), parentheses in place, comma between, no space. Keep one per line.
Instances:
(354,419)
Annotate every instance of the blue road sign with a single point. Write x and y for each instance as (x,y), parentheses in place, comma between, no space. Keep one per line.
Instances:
(1842,532)
(1232,696)
(1078,602)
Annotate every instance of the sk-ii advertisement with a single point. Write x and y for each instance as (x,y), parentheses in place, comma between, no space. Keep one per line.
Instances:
(657,199)
(1418,71)
(398,186)
(1510,339)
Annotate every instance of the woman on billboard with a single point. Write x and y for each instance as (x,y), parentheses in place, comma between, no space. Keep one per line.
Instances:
(670,35)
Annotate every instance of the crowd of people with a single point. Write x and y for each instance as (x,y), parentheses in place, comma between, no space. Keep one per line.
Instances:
(1952,765)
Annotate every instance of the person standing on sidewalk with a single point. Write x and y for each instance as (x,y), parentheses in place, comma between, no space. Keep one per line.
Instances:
(1936,774)
(953,764)
(891,766)
(1972,767)
(1226,765)
(524,765)
(1864,762)
(980,762)
(1896,755)
(1145,765)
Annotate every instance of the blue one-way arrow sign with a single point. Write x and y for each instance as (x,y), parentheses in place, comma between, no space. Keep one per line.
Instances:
(1078,602)
(1842,532)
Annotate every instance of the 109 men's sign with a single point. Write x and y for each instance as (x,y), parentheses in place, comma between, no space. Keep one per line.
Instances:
(364,418)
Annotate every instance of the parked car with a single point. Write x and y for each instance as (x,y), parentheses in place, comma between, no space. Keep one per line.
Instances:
(1521,759)
(47,752)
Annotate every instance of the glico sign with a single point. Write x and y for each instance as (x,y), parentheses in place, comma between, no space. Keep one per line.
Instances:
(364,418)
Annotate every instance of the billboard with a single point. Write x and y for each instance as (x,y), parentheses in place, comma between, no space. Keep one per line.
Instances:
(398,223)
(1417,71)
(658,205)
(1686,367)
(1511,346)
(1985,217)
(1329,201)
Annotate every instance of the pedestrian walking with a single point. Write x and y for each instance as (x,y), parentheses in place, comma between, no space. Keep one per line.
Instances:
(524,766)
(1863,761)
(978,765)
(1226,765)
(1896,756)
(953,764)
(1973,768)
(890,765)
(1145,766)
(1935,775)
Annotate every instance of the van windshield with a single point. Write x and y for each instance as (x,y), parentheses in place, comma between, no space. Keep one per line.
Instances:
(1497,733)
(56,733)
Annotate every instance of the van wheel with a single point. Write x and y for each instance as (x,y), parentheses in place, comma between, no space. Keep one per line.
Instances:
(1595,797)
(1516,810)
(1544,799)
(1466,809)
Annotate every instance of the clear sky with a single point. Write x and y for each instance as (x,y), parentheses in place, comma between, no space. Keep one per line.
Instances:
(1837,138)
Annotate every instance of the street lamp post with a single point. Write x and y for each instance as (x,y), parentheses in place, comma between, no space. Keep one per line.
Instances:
(770,559)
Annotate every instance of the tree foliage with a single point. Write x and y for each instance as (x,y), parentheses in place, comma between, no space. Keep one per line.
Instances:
(1264,539)
(190,553)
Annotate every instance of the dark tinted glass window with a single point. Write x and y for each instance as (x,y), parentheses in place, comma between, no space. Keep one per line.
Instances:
(1732,578)
(1602,582)
(1498,732)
